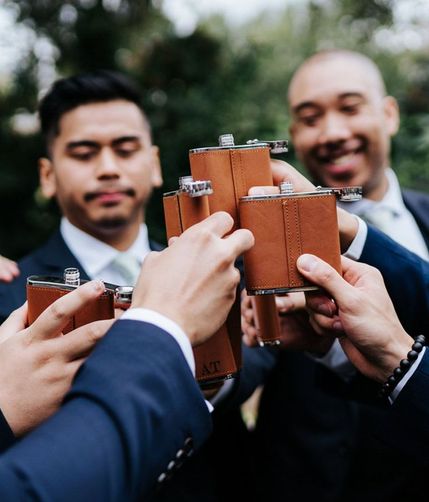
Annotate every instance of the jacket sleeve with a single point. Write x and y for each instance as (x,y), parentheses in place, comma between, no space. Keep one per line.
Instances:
(133,415)
(406,277)
(406,426)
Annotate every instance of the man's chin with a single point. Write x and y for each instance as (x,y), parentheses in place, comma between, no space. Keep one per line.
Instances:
(111,224)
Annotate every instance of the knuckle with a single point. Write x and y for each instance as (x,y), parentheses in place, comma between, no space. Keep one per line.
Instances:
(236,276)
(57,312)
(96,331)
(326,274)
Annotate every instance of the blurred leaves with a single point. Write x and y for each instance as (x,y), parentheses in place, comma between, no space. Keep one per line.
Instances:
(216,80)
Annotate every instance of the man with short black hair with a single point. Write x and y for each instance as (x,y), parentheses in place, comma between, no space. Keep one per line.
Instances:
(101,167)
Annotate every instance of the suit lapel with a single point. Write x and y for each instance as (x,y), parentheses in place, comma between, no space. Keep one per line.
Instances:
(55,256)
(418,205)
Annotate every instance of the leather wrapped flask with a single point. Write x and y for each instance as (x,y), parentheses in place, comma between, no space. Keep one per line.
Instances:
(285,226)
(42,291)
(220,357)
(233,170)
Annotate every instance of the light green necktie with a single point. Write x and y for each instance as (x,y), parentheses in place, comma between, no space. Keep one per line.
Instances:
(128,266)
(380,217)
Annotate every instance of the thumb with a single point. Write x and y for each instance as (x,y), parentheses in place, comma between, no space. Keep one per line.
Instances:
(322,274)
(14,323)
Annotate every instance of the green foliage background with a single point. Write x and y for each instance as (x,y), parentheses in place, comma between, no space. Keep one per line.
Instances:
(217,79)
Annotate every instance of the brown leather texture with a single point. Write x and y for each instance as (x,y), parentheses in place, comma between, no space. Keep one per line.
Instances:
(266,318)
(173,223)
(40,297)
(219,357)
(284,228)
(232,172)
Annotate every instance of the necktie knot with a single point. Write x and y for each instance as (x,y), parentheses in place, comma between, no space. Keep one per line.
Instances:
(381,217)
(128,266)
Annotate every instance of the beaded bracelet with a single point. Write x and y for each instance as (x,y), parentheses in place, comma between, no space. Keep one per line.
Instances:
(399,372)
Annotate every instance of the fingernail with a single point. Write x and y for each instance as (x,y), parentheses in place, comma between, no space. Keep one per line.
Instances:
(325,310)
(99,285)
(306,262)
(338,326)
(257,191)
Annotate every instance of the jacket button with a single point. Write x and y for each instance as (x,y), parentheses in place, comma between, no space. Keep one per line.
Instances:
(171,465)
(162,477)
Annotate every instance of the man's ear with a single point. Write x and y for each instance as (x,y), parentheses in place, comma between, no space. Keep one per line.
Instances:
(391,114)
(48,184)
(156,168)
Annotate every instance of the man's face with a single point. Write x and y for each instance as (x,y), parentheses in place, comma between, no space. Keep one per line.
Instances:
(342,124)
(103,167)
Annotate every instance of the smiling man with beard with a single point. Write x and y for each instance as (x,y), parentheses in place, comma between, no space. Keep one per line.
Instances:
(342,123)
(101,167)
(317,418)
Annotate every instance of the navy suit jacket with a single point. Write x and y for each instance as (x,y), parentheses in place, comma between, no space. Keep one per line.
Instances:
(407,423)
(126,418)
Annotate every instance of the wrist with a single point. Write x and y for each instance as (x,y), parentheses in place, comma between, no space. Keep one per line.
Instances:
(404,366)
(396,353)
(348,226)
(393,358)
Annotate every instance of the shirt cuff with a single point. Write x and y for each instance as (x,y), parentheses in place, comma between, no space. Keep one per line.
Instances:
(354,252)
(407,376)
(337,361)
(153,317)
(170,327)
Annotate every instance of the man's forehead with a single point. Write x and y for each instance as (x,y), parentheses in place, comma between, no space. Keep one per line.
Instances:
(107,119)
(333,78)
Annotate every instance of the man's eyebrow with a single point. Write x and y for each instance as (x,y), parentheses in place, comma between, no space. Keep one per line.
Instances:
(311,104)
(84,142)
(125,139)
(354,94)
(303,106)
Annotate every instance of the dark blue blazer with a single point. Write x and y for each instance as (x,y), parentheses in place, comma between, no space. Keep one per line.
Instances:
(418,205)
(407,423)
(49,259)
(125,422)
(406,277)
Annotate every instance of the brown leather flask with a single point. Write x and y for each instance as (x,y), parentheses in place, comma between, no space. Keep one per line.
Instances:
(42,291)
(285,226)
(233,170)
(220,357)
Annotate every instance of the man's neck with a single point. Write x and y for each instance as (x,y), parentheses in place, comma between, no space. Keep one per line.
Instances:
(120,238)
(378,192)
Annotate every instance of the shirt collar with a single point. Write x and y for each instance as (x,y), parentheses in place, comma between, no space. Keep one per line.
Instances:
(93,254)
(392,199)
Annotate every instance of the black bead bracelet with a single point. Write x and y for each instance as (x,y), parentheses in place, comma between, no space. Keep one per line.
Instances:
(399,372)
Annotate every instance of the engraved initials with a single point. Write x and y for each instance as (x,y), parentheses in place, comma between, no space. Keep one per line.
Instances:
(211,367)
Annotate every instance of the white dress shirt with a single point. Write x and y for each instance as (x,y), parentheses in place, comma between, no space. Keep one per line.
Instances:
(401,226)
(96,256)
